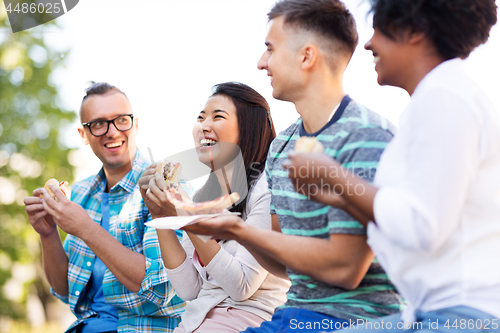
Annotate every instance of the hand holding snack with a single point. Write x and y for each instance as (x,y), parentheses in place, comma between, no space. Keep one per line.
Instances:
(62,186)
(310,175)
(156,199)
(38,217)
(164,197)
(171,175)
(155,180)
(309,172)
(40,220)
(302,159)
(146,177)
(69,216)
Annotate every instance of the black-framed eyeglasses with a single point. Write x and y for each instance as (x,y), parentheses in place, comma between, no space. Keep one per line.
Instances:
(100,127)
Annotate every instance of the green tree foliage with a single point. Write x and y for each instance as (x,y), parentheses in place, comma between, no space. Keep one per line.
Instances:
(30,153)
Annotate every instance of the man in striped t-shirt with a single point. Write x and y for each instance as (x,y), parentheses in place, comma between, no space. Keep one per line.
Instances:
(352,286)
(335,278)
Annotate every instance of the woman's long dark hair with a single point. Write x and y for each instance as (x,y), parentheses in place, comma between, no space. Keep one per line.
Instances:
(255,134)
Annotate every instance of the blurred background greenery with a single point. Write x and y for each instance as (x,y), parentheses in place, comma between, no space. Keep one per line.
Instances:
(31,151)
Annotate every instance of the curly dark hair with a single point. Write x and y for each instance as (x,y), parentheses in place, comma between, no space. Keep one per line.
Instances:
(329,19)
(456,27)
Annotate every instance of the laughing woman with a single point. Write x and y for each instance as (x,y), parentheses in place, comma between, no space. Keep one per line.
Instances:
(227,288)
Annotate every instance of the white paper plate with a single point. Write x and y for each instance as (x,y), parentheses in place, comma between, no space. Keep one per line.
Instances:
(177,222)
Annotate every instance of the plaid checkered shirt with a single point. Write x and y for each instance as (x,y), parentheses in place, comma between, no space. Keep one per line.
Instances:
(155,307)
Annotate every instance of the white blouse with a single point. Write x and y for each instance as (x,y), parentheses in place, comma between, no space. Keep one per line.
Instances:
(438,208)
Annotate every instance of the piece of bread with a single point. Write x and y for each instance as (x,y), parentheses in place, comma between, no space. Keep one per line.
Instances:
(308,145)
(171,172)
(62,186)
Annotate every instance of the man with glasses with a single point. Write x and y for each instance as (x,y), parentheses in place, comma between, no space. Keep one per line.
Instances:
(109,269)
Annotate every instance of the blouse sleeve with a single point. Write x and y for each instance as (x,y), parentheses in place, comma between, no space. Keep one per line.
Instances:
(239,274)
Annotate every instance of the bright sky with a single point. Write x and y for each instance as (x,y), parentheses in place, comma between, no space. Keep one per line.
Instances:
(166,56)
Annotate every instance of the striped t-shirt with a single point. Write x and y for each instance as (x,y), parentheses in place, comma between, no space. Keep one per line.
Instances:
(355,137)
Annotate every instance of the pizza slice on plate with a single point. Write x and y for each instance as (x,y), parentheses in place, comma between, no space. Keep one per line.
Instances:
(199,208)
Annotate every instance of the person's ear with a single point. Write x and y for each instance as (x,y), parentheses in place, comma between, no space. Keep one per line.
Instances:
(309,56)
(136,124)
(83,135)
(415,37)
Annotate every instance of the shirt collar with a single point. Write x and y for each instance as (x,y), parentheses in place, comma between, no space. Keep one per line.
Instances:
(127,183)
(443,69)
(340,110)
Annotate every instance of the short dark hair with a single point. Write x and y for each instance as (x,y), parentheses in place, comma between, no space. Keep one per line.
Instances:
(456,27)
(255,134)
(98,88)
(329,19)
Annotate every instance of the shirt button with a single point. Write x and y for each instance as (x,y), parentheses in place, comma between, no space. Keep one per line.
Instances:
(77,293)
(89,263)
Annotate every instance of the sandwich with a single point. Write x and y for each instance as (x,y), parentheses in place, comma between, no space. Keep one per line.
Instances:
(171,172)
(308,145)
(62,186)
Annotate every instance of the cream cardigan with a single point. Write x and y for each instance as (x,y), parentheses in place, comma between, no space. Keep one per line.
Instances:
(233,278)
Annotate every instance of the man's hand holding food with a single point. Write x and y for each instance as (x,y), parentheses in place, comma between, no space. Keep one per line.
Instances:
(39,218)
(309,175)
(69,216)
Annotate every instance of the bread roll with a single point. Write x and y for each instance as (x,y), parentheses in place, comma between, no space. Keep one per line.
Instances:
(308,145)
(62,187)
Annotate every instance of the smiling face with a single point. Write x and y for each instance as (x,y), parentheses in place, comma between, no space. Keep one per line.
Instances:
(281,61)
(216,125)
(115,149)
(392,59)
